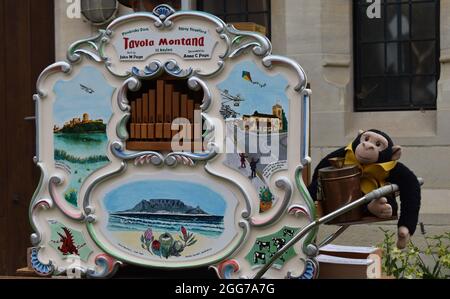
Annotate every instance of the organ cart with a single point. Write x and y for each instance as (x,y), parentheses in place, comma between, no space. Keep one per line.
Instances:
(172,140)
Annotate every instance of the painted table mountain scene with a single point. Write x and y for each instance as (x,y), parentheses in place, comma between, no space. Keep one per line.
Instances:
(167,215)
(171,217)
(164,206)
(166,218)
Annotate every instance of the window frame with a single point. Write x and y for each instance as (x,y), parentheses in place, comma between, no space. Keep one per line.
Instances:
(223,15)
(359,75)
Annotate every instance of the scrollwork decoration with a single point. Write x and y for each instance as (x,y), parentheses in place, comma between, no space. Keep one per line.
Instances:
(108,267)
(40,268)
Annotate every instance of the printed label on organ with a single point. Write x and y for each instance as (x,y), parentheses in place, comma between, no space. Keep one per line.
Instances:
(188,42)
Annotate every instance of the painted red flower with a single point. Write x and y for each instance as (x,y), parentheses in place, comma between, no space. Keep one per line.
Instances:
(156,245)
(183,231)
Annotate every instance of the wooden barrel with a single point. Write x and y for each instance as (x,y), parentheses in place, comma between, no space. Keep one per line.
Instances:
(339,187)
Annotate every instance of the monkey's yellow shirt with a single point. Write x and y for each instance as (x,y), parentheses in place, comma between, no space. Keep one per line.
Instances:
(373,175)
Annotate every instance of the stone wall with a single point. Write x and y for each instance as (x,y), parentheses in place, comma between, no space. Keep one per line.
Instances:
(320,36)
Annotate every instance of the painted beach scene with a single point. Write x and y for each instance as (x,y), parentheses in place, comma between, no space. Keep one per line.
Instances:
(165,218)
(256,111)
(81,112)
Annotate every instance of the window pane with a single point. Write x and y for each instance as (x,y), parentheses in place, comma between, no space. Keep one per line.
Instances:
(423,23)
(398,92)
(258,5)
(398,58)
(214,7)
(424,91)
(371,29)
(397,22)
(397,1)
(372,59)
(235,6)
(371,92)
(423,57)
(232,11)
(380,93)
(260,19)
(236,18)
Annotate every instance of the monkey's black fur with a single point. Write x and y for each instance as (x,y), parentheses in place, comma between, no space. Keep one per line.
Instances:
(401,175)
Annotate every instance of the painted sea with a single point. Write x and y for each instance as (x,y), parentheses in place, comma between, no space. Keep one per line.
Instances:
(81,154)
(207,225)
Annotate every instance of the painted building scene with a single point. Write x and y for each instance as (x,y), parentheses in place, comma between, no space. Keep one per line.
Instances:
(265,123)
(255,108)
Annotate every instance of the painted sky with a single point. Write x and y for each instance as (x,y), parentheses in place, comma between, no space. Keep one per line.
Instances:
(72,101)
(127,196)
(256,98)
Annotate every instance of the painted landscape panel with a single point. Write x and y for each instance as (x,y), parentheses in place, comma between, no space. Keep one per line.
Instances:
(81,113)
(256,111)
(166,218)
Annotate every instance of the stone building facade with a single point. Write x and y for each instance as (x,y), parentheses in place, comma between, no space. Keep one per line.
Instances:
(319,35)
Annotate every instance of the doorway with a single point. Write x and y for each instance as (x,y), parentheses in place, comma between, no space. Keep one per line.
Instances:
(27,35)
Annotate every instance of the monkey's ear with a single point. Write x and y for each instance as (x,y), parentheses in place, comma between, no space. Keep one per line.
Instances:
(360,132)
(396,152)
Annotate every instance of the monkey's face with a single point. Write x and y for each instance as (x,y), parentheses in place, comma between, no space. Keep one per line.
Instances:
(370,146)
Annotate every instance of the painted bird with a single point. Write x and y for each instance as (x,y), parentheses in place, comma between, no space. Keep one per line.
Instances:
(68,246)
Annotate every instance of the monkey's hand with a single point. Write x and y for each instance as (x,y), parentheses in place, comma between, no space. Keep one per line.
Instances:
(380,208)
(403,237)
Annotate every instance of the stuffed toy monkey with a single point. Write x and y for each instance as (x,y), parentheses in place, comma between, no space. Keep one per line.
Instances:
(377,156)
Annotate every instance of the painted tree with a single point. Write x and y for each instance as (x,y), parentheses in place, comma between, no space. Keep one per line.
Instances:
(285,122)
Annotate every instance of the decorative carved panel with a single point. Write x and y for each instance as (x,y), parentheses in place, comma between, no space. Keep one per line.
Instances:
(116,189)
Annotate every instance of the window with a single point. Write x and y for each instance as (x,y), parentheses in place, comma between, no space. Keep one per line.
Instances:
(397,55)
(232,11)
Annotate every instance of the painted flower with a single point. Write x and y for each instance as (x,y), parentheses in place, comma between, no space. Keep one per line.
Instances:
(166,241)
(178,246)
(183,231)
(156,245)
(148,235)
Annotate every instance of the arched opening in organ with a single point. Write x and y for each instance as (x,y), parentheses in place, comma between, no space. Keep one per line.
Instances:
(162,111)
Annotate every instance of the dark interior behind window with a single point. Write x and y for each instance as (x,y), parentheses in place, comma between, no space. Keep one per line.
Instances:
(397,55)
(256,11)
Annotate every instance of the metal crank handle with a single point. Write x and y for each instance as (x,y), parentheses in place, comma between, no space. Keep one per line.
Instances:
(375,194)
(381,192)
(327,218)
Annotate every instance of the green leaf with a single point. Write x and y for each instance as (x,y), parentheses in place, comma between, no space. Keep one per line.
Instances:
(437,270)
(192,243)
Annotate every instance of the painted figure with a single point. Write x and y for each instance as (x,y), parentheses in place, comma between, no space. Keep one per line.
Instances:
(243,157)
(253,165)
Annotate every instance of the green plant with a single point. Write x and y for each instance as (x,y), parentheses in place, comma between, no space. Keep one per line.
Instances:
(410,262)
(265,195)
(71,196)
